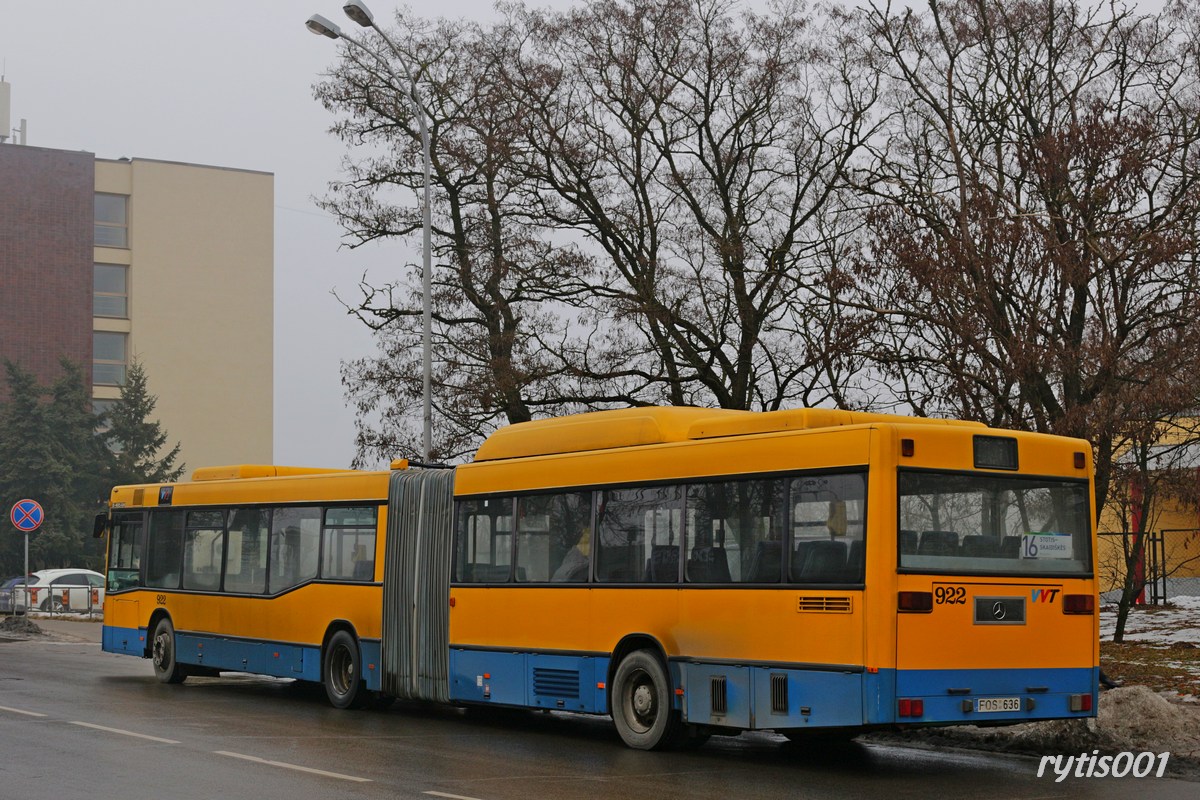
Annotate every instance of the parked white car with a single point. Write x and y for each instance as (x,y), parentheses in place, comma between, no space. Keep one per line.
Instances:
(79,590)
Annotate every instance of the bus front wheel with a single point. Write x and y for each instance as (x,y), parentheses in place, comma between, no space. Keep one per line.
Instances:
(343,672)
(641,703)
(166,668)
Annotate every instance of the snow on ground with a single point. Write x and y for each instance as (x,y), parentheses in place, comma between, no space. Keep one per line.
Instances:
(1178,622)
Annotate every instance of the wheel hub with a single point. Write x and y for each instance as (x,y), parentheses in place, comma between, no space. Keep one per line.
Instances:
(643,700)
(160,650)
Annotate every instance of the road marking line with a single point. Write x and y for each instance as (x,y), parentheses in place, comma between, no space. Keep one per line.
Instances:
(19,711)
(450,796)
(124,733)
(297,767)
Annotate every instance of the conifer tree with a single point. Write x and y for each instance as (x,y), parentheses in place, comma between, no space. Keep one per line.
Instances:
(49,453)
(136,438)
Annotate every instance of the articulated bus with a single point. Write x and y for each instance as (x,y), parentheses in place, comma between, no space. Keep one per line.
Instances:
(688,571)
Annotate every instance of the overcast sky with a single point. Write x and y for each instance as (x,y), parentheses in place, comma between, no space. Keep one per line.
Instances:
(228,84)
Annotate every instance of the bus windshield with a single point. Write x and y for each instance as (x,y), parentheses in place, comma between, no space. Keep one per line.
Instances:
(983,523)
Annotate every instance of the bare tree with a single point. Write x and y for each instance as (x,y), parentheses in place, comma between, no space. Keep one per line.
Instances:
(1033,248)
(499,282)
(635,202)
(700,154)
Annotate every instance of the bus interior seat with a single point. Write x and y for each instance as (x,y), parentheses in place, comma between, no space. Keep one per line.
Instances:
(767,563)
(825,562)
(708,565)
(619,563)
(980,546)
(1010,547)
(908,542)
(856,561)
(663,564)
(938,543)
(800,555)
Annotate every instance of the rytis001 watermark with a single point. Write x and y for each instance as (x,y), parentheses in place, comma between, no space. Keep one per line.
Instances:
(1094,765)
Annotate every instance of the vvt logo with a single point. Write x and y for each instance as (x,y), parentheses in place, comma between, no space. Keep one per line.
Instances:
(1044,595)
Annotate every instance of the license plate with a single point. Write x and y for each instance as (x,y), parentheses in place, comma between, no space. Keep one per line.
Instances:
(985,704)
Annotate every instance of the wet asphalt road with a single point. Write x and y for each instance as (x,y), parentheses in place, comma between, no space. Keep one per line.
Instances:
(79,723)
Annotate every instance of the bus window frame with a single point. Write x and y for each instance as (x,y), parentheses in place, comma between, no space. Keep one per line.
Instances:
(149,512)
(326,527)
(1008,475)
(681,582)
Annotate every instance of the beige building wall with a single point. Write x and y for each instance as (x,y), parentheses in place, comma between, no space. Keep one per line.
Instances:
(201,298)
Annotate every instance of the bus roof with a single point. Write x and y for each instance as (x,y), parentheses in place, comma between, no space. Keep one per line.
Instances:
(234,471)
(630,427)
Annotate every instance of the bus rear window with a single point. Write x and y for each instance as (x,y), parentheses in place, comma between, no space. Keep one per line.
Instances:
(954,523)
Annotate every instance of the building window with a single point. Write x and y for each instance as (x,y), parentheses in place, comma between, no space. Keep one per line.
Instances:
(108,358)
(112,225)
(100,407)
(110,293)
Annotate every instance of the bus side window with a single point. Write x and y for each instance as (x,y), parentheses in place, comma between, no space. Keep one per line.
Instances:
(295,547)
(640,535)
(554,538)
(483,546)
(349,544)
(735,531)
(246,552)
(203,550)
(165,550)
(828,529)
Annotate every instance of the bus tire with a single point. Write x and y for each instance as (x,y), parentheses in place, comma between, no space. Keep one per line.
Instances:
(642,703)
(162,652)
(342,671)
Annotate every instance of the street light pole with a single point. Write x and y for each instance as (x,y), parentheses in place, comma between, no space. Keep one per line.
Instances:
(358,11)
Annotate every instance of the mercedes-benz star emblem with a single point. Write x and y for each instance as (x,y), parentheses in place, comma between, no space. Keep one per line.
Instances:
(998,610)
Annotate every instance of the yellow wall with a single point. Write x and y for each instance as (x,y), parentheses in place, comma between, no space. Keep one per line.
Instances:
(201,299)
(1182,538)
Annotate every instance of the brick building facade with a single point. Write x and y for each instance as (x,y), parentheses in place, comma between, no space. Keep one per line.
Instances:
(46,231)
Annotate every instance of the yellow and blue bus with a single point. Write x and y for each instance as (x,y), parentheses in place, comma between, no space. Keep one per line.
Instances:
(688,571)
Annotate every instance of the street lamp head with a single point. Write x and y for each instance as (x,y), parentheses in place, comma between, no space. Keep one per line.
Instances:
(357,10)
(323,27)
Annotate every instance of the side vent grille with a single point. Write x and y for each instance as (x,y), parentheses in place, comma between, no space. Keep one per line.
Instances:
(720,697)
(825,605)
(779,693)
(556,682)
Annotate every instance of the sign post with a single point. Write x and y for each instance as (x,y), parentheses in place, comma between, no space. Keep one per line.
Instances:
(27,516)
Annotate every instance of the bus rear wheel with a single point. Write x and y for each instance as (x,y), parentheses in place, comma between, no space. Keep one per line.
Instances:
(162,651)
(342,673)
(641,703)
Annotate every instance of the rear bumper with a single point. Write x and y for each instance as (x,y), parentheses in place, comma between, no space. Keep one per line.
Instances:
(952,696)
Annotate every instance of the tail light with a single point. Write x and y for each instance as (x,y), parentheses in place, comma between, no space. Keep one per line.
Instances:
(911,707)
(1081,702)
(915,602)
(1079,604)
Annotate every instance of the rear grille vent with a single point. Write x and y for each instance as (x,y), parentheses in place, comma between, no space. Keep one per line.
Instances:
(720,696)
(828,605)
(779,693)
(555,682)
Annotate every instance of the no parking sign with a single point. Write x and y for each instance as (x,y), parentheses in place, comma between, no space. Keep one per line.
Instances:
(27,515)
